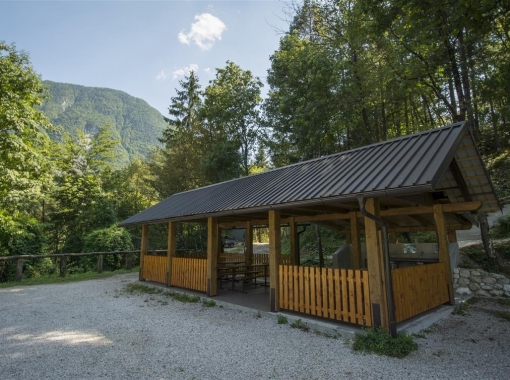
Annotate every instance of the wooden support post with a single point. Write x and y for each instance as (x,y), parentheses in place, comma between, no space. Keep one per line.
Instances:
(63,266)
(170,253)
(444,252)
(376,272)
(356,259)
(294,242)
(99,263)
(248,243)
(452,236)
(275,248)
(212,256)
(393,237)
(129,261)
(19,269)
(220,241)
(143,249)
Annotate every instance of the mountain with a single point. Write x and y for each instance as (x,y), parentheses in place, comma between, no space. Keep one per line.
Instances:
(132,120)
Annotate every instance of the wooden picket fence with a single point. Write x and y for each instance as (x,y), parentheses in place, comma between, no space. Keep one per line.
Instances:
(338,294)
(154,268)
(418,289)
(189,273)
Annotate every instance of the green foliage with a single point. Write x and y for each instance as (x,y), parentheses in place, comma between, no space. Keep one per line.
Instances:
(461,309)
(80,109)
(505,315)
(299,324)
(24,147)
(380,342)
(182,297)
(140,288)
(282,320)
(55,278)
(501,228)
(475,257)
(208,303)
(109,239)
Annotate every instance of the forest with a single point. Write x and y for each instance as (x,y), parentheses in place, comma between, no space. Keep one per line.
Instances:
(346,74)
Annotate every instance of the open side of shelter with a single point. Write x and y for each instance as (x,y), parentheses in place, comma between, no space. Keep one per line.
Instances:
(430,181)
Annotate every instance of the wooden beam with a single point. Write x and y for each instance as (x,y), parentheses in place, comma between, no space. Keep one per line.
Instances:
(376,272)
(356,258)
(212,256)
(322,217)
(274,258)
(248,243)
(448,208)
(143,249)
(444,253)
(171,246)
(462,207)
(294,242)
(452,237)
(457,175)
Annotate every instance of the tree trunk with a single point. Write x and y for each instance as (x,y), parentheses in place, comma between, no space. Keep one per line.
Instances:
(319,245)
(486,237)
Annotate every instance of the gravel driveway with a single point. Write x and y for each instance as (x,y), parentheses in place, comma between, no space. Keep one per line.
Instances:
(92,329)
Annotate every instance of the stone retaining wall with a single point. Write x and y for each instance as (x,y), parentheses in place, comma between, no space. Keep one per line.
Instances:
(480,283)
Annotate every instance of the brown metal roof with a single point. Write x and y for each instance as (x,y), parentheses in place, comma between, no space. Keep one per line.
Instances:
(407,165)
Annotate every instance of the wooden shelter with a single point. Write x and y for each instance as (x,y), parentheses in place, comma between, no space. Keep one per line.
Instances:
(431,181)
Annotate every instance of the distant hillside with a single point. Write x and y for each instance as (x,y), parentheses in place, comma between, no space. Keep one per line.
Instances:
(134,122)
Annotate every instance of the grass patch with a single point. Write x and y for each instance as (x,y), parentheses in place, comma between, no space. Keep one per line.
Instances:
(182,297)
(419,335)
(380,342)
(141,289)
(299,324)
(503,302)
(56,279)
(282,320)
(208,303)
(474,257)
(503,315)
(461,309)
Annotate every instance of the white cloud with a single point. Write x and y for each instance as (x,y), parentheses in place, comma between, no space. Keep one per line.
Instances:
(207,70)
(162,75)
(206,30)
(184,71)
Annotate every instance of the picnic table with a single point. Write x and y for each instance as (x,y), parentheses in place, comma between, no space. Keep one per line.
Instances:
(241,272)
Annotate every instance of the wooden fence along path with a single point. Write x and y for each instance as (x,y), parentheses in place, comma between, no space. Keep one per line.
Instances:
(189,273)
(418,289)
(154,268)
(338,294)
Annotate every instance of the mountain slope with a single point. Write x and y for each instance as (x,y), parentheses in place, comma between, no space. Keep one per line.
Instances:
(134,122)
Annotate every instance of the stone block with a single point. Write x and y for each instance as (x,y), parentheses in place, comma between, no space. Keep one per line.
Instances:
(504,280)
(475,272)
(498,286)
(486,287)
(497,293)
(455,276)
(475,279)
(456,270)
(506,288)
(474,286)
(482,293)
(463,281)
(464,273)
(463,291)
(489,280)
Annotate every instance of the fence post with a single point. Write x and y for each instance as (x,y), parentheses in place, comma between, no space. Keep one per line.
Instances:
(100,263)
(63,267)
(19,269)
(129,261)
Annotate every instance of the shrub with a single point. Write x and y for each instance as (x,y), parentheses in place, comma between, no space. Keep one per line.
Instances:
(501,228)
(282,320)
(380,342)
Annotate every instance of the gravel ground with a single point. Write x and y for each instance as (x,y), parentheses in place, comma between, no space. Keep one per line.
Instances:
(93,329)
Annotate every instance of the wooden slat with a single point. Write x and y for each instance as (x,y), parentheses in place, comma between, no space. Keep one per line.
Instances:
(418,289)
(295,278)
(301,290)
(359,297)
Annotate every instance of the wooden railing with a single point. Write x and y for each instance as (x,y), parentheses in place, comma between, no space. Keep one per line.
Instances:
(189,273)
(338,294)
(63,260)
(418,289)
(257,258)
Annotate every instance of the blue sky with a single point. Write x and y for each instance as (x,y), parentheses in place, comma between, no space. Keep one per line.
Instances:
(143,47)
